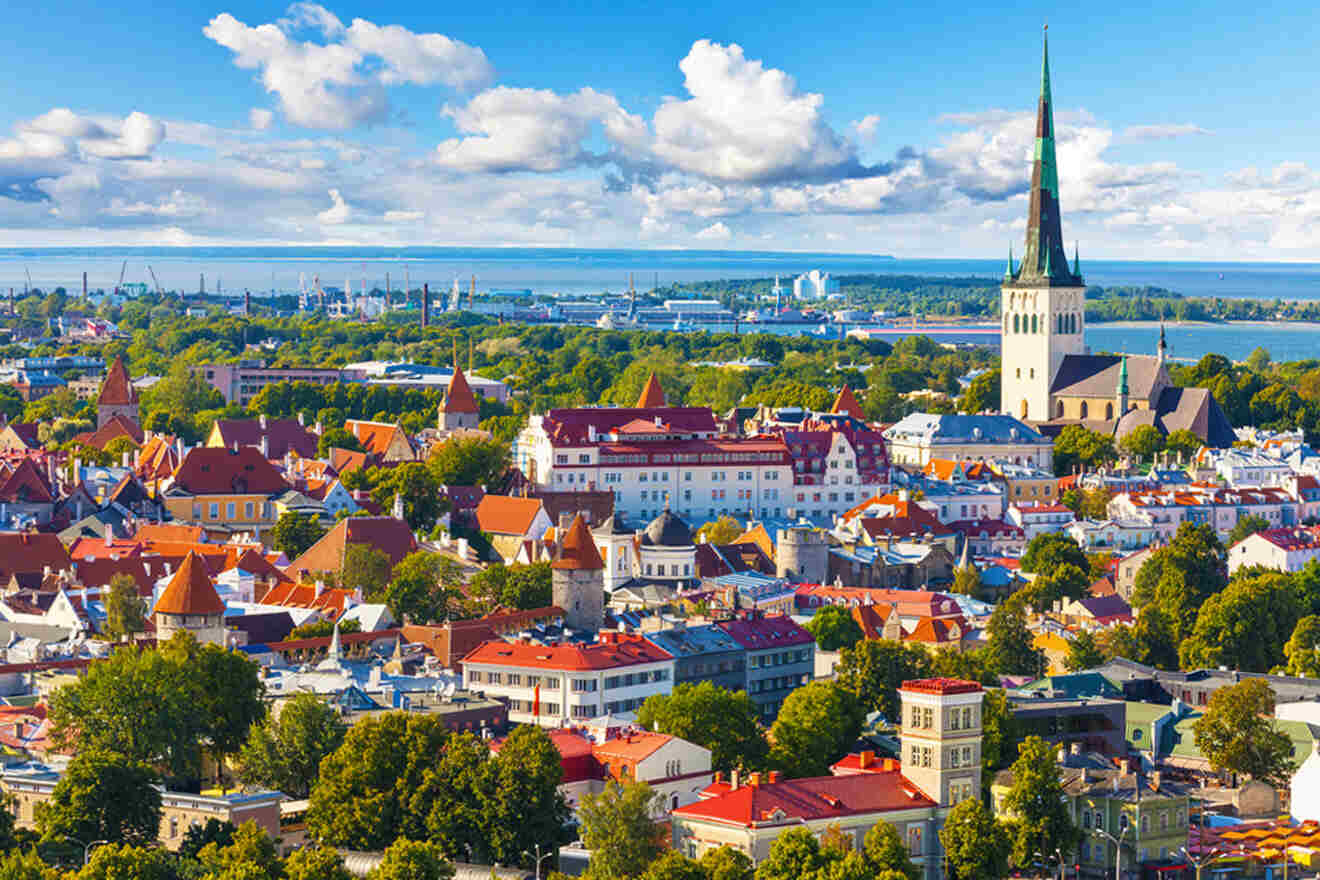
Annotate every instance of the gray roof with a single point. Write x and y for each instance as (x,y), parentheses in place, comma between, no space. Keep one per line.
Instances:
(1096,375)
(1192,409)
(667,530)
(933,428)
(694,640)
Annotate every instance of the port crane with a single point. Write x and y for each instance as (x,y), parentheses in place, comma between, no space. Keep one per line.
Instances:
(154,279)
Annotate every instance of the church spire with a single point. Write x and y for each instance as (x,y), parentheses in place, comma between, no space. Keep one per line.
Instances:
(1162,350)
(1045,258)
(1009,272)
(1123,377)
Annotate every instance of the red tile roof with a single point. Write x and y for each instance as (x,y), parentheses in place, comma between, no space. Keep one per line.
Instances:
(117,389)
(652,395)
(846,404)
(795,800)
(385,533)
(245,471)
(941,686)
(506,515)
(114,428)
(377,437)
(631,747)
(617,650)
(459,397)
(759,633)
(26,485)
(28,552)
(190,591)
(578,549)
(282,436)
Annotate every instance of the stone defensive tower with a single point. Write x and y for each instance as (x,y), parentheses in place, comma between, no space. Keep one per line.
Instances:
(577,578)
(801,555)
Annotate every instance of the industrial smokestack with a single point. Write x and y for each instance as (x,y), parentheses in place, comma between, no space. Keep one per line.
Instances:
(426,305)
(247,303)
(472,292)
(84,285)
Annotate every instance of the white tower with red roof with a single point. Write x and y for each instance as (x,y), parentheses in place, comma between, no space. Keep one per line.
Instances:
(941,737)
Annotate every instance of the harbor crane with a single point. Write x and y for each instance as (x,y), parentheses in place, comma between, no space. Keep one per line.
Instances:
(154,279)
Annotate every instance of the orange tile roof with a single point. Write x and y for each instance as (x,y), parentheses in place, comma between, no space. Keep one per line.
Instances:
(578,549)
(117,389)
(652,395)
(507,515)
(459,398)
(190,591)
(846,404)
(376,437)
(633,747)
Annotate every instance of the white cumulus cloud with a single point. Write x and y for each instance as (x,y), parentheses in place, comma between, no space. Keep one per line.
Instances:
(342,82)
(716,231)
(259,118)
(337,213)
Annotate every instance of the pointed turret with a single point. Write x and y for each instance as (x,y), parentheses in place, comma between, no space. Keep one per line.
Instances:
(577,549)
(460,408)
(1077,260)
(1044,259)
(191,590)
(653,396)
(1161,350)
(846,404)
(1008,273)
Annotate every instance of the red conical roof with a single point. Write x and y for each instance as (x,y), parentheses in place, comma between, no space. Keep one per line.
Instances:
(653,396)
(459,398)
(846,404)
(117,390)
(578,549)
(190,591)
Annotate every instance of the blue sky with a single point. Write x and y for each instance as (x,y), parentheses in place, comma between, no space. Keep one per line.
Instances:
(1185,130)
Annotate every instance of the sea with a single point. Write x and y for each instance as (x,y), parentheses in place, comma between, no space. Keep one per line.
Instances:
(579,272)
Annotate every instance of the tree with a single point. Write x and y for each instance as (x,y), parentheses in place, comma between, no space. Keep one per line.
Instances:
(418,489)
(125,611)
(315,863)
(111,861)
(284,753)
(982,393)
(228,693)
(1246,527)
(817,725)
(1065,581)
(1237,733)
(521,804)
(320,629)
(422,586)
(724,530)
(1009,648)
(1303,648)
(673,865)
(618,826)
(714,718)
(885,852)
(794,855)
(1000,735)
(25,865)
(515,586)
(726,863)
(1048,551)
(1078,447)
(249,855)
(1183,442)
(469,461)
(103,796)
(1083,653)
(214,831)
(1245,626)
(366,569)
(834,627)
(1180,576)
(293,533)
(976,844)
(1142,442)
(337,438)
(967,581)
(872,671)
(413,860)
(364,796)
(136,704)
(1040,818)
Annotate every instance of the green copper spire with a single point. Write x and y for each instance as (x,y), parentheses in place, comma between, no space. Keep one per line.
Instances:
(1122,377)
(1077,260)
(1045,260)
(1008,273)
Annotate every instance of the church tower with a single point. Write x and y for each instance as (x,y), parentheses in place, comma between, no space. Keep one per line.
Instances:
(940,736)
(1042,299)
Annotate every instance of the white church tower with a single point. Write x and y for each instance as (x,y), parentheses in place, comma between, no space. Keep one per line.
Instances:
(1043,299)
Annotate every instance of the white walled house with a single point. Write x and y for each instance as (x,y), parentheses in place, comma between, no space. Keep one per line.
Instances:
(919,437)
(674,768)
(553,685)
(1280,549)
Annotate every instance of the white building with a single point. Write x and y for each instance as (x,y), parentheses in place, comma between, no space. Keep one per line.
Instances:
(919,437)
(1094,535)
(554,685)
(1165,510)
(1248,467)
(1280,549)
(1039,519)
(814,285)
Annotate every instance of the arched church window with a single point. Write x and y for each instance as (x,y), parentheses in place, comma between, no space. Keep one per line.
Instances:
(1083,410)
(1058,409)
(1034,328)
(1109,410)
(1015,323)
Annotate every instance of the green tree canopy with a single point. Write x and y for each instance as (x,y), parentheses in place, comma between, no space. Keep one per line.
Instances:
(619,828)
(315,863)
(1142,442)
(1237,733)
(834,628)
(517,586)
(413,860)
(724,530)
(1048,551)
(967,581)
(366,569)
(1009,647)
(1245,626)
(293,533)
(1077,447)
(976,844)
(103,796)
(1247,526)
(817,724)
(25,865)
(112,861)
(714,718)
(125,610)
(726,863)
(1180,576)
(1083,653)
(469,461)
(284,753)
(1303,648)
(422,586)
(1040,817)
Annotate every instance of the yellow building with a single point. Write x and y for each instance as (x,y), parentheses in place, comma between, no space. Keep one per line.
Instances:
(225,488)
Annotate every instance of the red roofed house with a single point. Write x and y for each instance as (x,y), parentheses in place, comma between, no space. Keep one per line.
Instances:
(190,603)
(224,489)
(26,493)
(31,553)
(780,657)
(274,437)
(118,397)
(552,685)
(846,404)
(940,766)
(384,533)
(1280,549)
(459,409)
(383,439)
(511,522)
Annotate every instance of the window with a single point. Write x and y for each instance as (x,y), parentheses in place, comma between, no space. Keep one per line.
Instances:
(515,679)
(474,676)
(584,685)
(1145,825)
(584,459)
(215,510)
(494,677)
(231,510)
(1099,820)
(1086,819)
(914,840)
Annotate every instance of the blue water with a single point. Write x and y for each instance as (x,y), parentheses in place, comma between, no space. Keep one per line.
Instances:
(558,270)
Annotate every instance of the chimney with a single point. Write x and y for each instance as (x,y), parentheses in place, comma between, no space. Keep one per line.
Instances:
(755,780)
(1124,766)
(1062,755)
(774,776)
(735,777)
(866,759)
(320,587)
(265,444)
